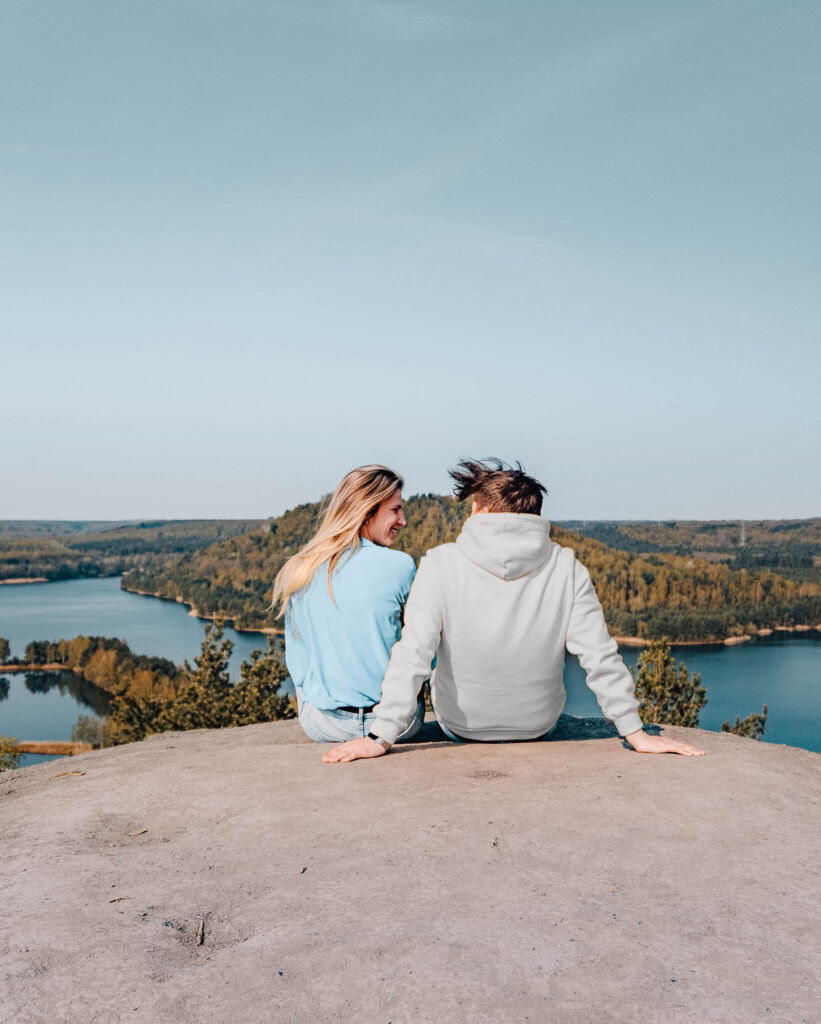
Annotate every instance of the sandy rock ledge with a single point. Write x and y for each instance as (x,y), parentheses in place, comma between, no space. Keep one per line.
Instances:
(230,877)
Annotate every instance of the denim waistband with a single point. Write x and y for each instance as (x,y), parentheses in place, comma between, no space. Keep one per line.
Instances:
(345,713)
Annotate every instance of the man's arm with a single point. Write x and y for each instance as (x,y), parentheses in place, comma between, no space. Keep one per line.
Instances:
(409,666)
(607,675)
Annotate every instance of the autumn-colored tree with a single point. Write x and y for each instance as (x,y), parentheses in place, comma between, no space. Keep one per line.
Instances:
(9,754)
(5,650)
(93,730)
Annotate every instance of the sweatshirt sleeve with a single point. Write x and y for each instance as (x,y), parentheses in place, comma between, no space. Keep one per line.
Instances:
(607,675)
(404,582)
(296,653)
(411,657)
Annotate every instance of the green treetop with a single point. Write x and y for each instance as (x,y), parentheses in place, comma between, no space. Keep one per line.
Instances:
(667,693)
(752,726)
(206,699)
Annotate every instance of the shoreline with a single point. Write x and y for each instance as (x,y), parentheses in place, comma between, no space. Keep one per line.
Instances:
(62,748)
(728,641)
(50,666)
(24,579)
(195,613)
(623,641)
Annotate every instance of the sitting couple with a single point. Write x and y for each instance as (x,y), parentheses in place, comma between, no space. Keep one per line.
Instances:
(494,611)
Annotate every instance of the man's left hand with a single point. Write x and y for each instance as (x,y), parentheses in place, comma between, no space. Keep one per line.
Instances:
(354,749)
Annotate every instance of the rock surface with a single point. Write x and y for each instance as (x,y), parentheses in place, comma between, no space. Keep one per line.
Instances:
(232,878)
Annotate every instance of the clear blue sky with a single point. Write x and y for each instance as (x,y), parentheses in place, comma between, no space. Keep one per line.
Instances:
(249,245)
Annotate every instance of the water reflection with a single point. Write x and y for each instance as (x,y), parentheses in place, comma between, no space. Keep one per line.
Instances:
(75,686)
(5,686)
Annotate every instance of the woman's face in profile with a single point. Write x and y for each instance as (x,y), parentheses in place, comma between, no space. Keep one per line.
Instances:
(383,525)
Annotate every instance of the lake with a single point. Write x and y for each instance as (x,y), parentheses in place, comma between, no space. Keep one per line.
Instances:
(784,672)
(93,607)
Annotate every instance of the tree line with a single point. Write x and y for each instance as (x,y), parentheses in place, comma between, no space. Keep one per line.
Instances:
(643,595)
(791,547)
(77,555)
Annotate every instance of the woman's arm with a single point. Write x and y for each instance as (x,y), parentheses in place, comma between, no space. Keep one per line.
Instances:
(296,651)
(408,668)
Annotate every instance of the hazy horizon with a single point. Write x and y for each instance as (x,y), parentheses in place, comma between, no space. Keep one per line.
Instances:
(126,520)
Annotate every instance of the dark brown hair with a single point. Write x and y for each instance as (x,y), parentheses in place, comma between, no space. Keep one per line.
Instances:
(497,487)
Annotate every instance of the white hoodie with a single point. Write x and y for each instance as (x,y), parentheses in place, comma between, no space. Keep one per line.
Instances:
(498,609)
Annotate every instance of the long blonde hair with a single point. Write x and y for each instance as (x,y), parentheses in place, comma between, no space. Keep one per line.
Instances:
(354,501)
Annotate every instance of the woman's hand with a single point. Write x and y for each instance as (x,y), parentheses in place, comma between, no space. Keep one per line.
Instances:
(644,743)
(353,750)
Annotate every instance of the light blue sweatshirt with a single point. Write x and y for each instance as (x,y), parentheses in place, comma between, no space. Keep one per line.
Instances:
(338,652)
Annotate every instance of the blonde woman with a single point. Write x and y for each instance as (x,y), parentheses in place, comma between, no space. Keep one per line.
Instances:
(342,596)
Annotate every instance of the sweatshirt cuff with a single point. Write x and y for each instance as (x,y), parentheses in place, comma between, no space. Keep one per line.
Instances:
(384,731)
(626,723)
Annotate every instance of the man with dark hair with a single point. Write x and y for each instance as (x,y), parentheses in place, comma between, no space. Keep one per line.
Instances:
(496,487)
(497,609)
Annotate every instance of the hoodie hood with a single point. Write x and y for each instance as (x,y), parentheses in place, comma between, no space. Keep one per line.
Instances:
(507,544)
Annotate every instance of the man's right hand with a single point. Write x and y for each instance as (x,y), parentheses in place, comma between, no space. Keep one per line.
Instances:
(644,743)
(352,750)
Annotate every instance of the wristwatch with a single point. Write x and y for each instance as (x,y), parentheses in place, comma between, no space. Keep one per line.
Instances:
(378,739)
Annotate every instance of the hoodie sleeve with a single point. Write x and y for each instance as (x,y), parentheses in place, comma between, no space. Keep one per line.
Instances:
(411,657)
(607,675)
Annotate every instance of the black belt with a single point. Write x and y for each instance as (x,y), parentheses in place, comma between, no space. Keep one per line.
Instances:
(366,708)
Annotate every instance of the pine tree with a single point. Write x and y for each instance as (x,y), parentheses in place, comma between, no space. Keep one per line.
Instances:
(212,664)
(667,693)
(5,650)
(207,699)
(752,726)
(256,697)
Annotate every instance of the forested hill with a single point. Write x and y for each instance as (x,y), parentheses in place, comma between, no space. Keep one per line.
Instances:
(66,550)
(792,547)
(235,577)
(659,594)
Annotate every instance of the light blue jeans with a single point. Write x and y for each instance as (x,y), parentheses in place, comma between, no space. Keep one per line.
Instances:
(338,726)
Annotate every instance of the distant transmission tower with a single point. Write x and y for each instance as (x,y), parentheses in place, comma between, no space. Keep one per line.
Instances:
(742,540)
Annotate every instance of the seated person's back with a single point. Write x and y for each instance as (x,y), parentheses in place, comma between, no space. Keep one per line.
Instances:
(338,646)
(506,606)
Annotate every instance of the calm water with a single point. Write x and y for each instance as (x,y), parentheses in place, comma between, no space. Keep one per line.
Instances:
(57,611)
(96,607)
(784,673)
